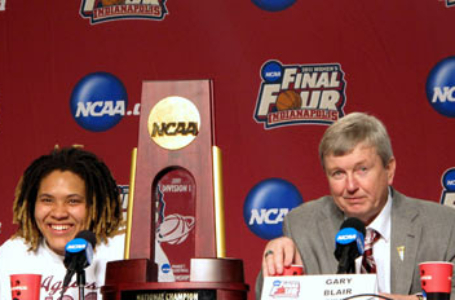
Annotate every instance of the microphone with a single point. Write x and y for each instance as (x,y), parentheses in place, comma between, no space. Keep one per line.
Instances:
(78,255)
(349,244)
(79,251)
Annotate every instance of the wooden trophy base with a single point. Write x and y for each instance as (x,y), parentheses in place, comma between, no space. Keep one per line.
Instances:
(211,279)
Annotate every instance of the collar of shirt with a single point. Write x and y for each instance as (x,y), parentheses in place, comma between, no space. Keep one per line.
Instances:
(46,250)
(381,249)
(382,223)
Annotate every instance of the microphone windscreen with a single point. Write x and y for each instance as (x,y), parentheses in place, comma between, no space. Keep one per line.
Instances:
(88,236)
(354,223)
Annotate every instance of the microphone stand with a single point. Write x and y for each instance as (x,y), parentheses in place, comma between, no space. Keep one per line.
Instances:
(347,262)
(81,283)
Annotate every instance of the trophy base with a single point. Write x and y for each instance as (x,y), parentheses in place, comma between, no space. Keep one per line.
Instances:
(211,279)
(131,270)
(216,270)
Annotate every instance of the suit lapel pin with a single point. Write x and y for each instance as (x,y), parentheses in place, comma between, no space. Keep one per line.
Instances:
(401,252)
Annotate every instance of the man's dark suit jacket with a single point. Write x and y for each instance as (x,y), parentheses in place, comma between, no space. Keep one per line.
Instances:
(425,229)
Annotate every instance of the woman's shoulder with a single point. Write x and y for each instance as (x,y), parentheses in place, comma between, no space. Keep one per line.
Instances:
(15,245)
(112,249)
(116,241)
(14,252)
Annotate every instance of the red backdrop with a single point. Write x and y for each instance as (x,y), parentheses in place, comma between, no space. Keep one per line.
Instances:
(386,50)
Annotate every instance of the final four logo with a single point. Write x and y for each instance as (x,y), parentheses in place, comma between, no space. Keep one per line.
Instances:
(108,10)
(302,94)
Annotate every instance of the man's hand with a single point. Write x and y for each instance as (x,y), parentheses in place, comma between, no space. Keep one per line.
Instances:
(279,253)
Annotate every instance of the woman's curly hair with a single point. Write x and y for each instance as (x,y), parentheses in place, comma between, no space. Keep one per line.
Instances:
(103,199)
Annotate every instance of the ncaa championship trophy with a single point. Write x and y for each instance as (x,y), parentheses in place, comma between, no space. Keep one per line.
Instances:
(174,246)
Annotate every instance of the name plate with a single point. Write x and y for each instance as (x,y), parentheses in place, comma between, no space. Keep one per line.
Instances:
(319,287)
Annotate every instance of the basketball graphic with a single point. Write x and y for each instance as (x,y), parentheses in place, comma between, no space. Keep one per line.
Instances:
(288,100)
(175,229)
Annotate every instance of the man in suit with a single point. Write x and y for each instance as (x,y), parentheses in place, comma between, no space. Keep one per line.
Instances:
(358,160)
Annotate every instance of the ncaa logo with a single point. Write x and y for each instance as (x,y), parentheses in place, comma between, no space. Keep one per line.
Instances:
(98,101)
(76,245)
(165,268)
(267,204)
(273,5)
(346,236)
(448,180)
(448,183)
(440,87)
(272,71)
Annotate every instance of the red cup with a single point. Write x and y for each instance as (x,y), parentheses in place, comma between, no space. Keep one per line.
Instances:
(292,270)
(25,286)
(436,279)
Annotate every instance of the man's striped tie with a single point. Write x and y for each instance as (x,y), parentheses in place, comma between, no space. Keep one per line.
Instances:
(368,263)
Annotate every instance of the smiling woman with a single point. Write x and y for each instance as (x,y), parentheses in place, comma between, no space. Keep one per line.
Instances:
(60,208)
(58,196)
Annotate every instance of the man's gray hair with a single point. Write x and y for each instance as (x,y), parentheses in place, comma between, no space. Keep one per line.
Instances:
(355,128)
